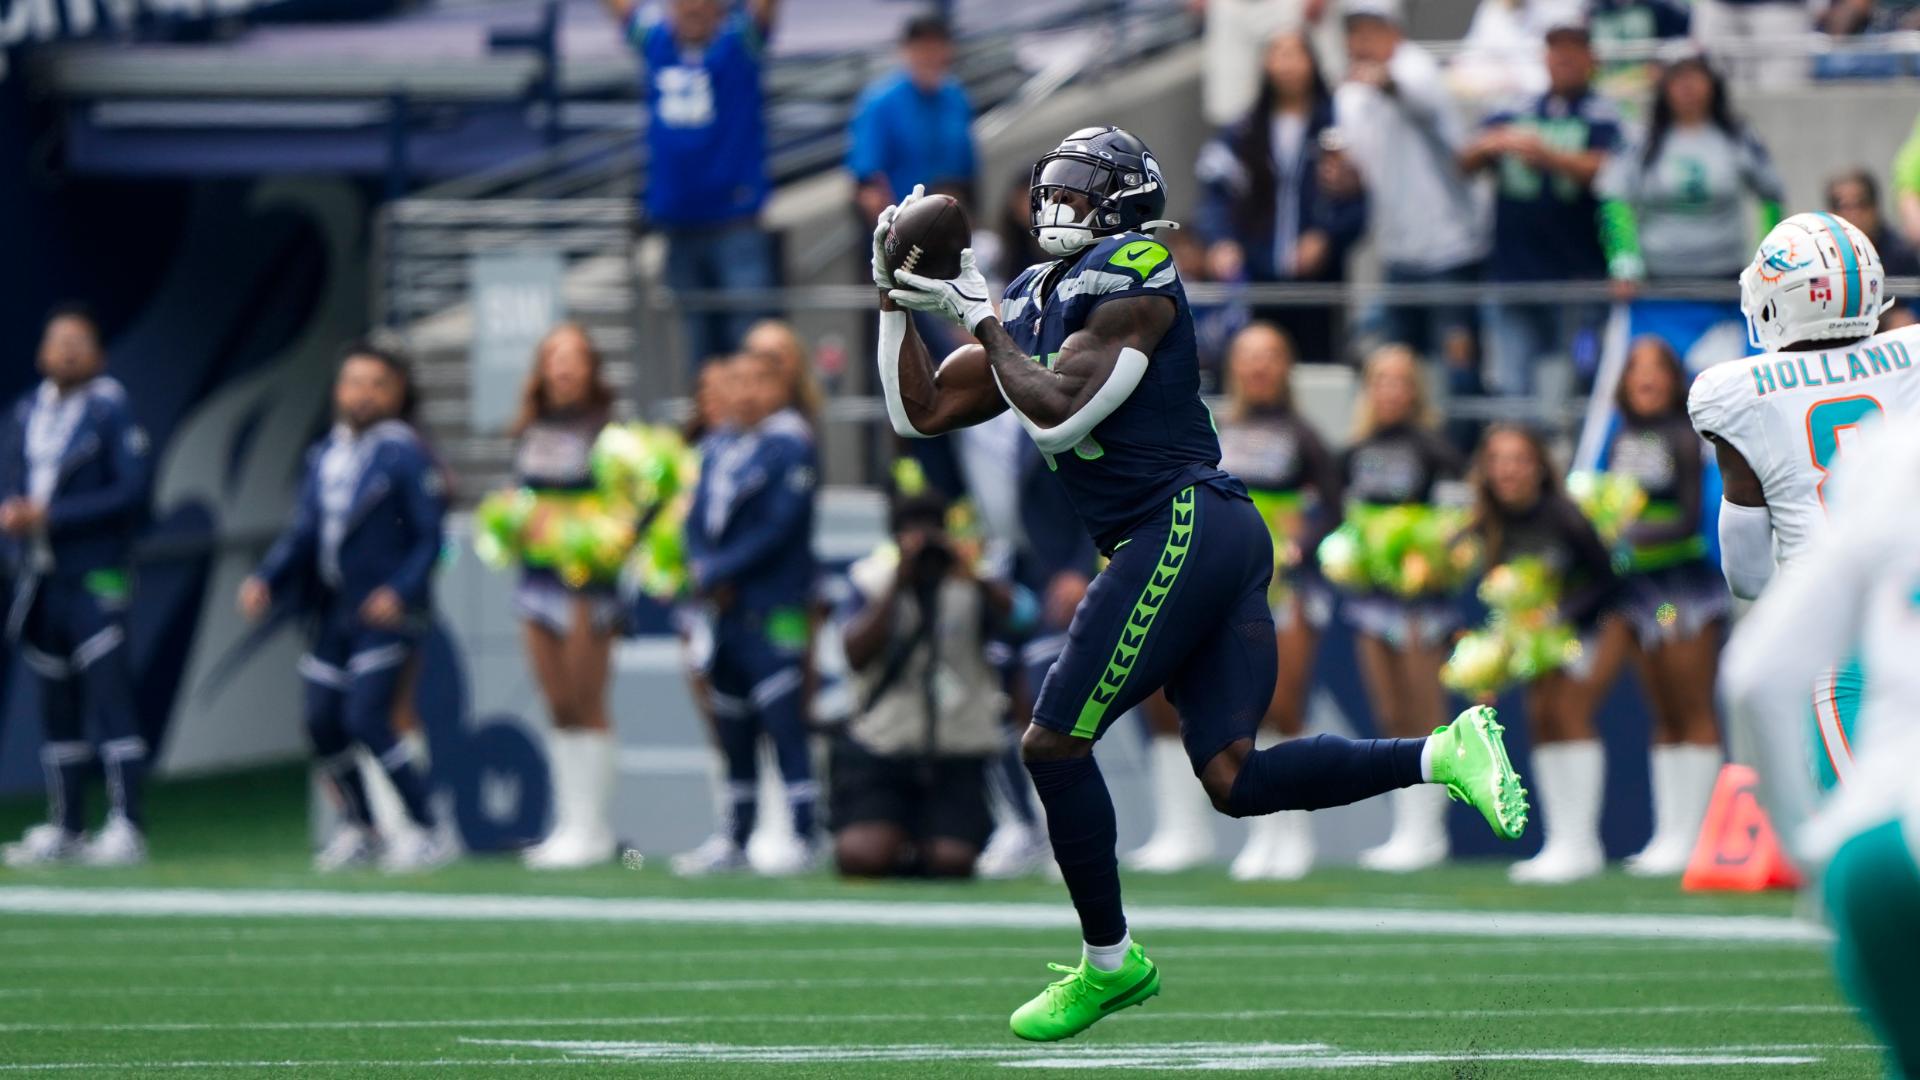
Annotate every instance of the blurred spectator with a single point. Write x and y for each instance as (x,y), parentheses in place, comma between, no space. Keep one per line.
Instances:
(780,342)
(1848,18)
(909,791)
(750,557)
(914,126)
(1860,18)
(1214,323)
(1629,23)
(1762,36)
(1906,186)
(1638,20)
(358,562)
(1403,133)
(1266,211)
(1295,484)
(706,146)
(1545,217)
(1854,195)
(75,477)
(1499,57)
(1235,35)
(1520,511)
(569,628)
(1674,206)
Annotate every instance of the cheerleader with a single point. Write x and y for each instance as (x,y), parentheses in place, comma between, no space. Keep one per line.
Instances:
(1675,603)
(1399,458)
(1520,511)
(1296,485)
(569,627)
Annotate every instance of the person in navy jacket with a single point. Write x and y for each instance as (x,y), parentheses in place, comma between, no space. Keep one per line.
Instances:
(750,555)
(358,561)
(75,474)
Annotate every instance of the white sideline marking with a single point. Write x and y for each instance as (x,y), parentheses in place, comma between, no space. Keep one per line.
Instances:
(282,903)
(361,988)
(1247,1015)
(120,959)
(1213,1057)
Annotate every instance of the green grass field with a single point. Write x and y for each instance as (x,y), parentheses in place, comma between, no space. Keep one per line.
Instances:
(461,973)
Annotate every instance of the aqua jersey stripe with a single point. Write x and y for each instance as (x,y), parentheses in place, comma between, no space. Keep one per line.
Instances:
(1133,634)
(1847,260)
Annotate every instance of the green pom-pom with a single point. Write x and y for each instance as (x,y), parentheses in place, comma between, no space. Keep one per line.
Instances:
(1479,664)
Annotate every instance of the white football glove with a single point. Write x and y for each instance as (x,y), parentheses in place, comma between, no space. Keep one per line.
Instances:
(965,300)
(881,278)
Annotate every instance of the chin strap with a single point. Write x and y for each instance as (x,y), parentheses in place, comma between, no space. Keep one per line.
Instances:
(1159,224)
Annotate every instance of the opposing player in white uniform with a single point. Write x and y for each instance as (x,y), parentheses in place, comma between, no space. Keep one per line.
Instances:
(1855,591)
(1813,294)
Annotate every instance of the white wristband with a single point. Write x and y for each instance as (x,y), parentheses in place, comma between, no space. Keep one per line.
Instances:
(1128,369)
(893,335)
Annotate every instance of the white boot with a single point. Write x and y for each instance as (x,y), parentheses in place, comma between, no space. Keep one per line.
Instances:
(1570,780)
(1013,851)
(1182,821)
(584,837)
(1251,863)
(560,781)
(1688,772)
(1660,763)
(1279,846)
(1419,838)
(118,843)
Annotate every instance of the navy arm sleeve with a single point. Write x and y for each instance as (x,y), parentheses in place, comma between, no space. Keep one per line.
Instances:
(423,503)
(129,460)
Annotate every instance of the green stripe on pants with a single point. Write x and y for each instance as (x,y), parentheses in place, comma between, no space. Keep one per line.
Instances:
(1133,635)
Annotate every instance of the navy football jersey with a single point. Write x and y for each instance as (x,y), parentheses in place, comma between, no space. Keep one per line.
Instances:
(1159,440)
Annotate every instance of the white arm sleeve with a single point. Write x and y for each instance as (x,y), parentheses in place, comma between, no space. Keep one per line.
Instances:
(1127,372)
(893,334)
(1746,548)
(1808,621)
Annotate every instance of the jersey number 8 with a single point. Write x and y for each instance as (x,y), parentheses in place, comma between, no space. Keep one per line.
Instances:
(1825,421)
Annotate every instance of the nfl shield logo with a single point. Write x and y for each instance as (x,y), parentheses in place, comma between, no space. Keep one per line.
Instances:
(1820,289)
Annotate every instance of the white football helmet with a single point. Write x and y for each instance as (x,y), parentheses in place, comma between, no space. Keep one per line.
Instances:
(1815,278)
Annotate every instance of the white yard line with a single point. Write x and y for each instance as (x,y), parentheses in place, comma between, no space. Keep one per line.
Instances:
(376,989)
(403,954)
(1196,1056)
(811,1019)
(265,903)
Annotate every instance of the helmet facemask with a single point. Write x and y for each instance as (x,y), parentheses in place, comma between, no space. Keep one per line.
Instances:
(1061,234)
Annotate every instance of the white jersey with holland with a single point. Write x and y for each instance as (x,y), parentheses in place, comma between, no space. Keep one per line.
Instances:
(1791,413)
(1857,593)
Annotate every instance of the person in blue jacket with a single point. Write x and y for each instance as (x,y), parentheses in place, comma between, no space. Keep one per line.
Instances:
(750,556)
(357,561)
(75,474)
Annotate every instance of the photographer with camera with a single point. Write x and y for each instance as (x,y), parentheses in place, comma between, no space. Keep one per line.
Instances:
(908,793)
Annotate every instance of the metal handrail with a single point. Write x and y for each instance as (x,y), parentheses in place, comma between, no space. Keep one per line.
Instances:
(859,297)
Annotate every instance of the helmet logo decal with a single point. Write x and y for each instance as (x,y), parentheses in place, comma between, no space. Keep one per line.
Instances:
(1779,262)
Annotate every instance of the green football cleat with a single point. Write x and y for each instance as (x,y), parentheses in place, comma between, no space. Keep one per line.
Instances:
(1470,757)
(1087,994)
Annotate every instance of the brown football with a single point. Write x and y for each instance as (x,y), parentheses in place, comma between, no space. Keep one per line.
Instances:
(928,236)
(965,369)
